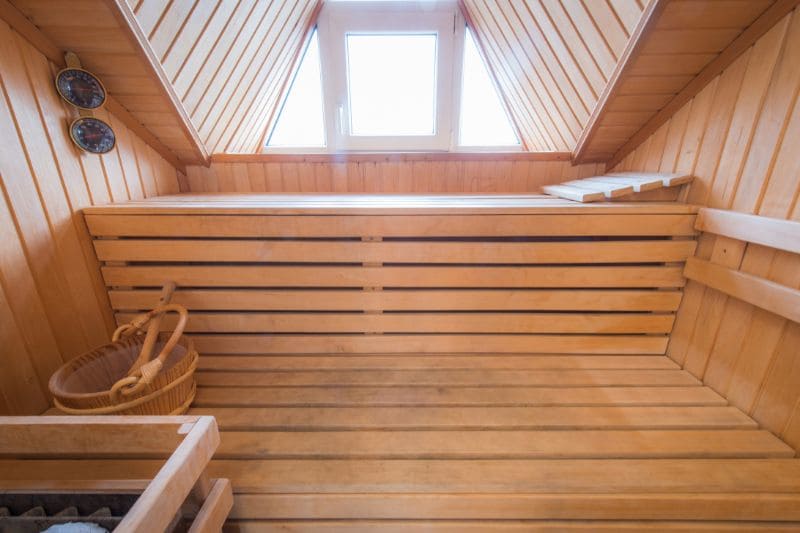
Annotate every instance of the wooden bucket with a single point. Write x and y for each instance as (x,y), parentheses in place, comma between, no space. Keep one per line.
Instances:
(97,382)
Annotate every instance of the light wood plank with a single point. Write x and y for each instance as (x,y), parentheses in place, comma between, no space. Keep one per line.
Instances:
(432,362)
(448,377)
(772,232)
(253,322)
(393,252)
(463,277)
(600,506)
(573,193)
(359,344)
(174,225)
(589,444)
(476,418)
(773,297)
(405,300)
(398,396)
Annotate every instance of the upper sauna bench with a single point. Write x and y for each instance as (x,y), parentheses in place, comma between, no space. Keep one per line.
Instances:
(349,204)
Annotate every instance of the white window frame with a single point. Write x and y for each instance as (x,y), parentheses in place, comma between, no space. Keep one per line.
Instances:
(337,19)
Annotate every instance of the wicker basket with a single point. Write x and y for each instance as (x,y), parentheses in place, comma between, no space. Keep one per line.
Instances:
(97,382)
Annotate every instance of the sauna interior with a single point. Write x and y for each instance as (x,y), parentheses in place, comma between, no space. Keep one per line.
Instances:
(449,266)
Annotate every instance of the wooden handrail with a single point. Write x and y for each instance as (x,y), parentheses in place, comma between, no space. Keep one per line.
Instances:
(772,232)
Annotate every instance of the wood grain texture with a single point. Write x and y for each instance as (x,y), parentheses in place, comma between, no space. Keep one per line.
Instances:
(107,39)
(54,306)
(228,61)
(739,137)
(386,174)
(679,50)
(551,60)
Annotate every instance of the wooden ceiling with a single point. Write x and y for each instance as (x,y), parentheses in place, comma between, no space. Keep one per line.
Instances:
(99,32)
(228,61)
(552,59)
(588,76)
(683,44)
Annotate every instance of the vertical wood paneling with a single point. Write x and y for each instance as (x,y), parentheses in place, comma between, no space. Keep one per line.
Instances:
(53,304)
(407,176)
(552,60)
(227,60)
(740,140)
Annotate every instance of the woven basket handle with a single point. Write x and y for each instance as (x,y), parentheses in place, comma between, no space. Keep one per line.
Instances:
(152,330)
(148,371)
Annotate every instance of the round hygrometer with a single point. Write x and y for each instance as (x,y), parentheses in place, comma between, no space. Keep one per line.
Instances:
(92,135)
(80,88)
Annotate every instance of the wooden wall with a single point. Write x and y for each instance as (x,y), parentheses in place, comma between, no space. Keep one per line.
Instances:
(228,61)
(53,305)
(552,59)
(740,136)
(383,174)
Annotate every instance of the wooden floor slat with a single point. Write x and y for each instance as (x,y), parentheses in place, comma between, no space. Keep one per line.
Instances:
(520,506)
(431,362)
(490,526)
(589,444)
(503,476)
(454,396)
(344,476)
(523,323)
(425,343)
(449,377)
(476,418)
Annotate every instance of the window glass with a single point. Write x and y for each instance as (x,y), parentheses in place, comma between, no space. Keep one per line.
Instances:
(392,84)
(484,121)
(300,122)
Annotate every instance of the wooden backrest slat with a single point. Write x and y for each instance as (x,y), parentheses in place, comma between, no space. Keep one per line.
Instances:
(772,232)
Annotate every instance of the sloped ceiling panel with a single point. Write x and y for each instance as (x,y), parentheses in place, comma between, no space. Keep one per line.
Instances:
(228,60)
(552,59)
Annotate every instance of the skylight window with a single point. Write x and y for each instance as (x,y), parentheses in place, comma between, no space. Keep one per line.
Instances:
(484,121)
(392,82)
(300,121)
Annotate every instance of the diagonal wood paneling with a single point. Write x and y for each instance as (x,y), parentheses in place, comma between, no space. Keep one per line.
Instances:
(98,31)
(739,136)
(227,60)
(552,59)
(684,45)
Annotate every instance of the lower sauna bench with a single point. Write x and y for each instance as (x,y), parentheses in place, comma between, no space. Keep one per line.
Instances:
(462,363)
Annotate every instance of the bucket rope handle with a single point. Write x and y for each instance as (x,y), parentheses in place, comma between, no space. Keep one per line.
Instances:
(148,371)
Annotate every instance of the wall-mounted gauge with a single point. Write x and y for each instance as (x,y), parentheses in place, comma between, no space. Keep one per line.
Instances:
(80,88)
(92,135)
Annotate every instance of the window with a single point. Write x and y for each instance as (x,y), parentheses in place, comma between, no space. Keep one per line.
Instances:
(388,70)
(392,75)
(300,123)
(484,121)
